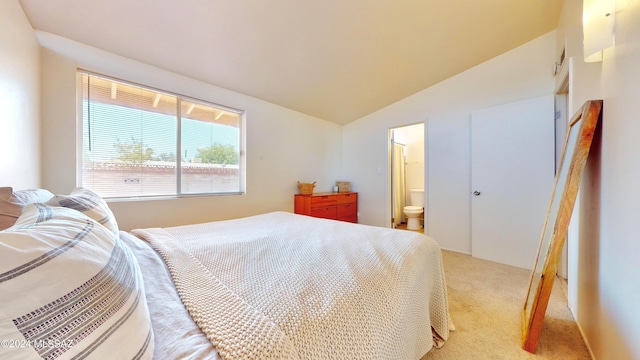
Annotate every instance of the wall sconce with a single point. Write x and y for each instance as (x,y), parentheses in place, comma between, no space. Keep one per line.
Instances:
(598,20)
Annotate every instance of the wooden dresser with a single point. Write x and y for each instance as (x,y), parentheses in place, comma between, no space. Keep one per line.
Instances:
(336,206)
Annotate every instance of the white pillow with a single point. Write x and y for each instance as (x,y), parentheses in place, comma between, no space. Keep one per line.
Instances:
(89,203)
(69,287)
(11,203)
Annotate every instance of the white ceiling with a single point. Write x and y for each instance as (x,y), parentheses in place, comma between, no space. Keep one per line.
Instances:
(336,60)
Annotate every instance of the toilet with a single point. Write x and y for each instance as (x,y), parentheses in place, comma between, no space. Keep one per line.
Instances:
(415,210)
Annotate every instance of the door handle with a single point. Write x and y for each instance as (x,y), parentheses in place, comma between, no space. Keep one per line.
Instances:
(476,193)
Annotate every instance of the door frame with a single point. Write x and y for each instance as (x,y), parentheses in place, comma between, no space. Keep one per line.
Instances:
(389,196)
(563,92)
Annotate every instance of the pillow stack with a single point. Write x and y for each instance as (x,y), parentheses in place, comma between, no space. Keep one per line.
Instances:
(11,203)
(69,287)
(90,204)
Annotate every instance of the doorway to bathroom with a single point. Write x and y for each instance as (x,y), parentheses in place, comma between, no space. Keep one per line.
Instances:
(407,177)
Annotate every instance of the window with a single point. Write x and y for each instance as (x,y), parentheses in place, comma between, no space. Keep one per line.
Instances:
(141,142)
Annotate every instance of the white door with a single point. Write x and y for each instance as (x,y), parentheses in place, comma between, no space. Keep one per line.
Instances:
(449,183)
(512,174)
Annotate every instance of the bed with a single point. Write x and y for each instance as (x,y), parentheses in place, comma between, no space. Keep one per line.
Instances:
(271,286)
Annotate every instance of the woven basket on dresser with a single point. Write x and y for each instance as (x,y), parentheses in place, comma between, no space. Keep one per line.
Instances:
(306,188)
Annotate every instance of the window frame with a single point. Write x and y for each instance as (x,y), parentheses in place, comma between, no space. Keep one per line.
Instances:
(178,140)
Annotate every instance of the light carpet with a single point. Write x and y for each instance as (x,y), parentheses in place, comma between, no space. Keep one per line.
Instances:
(485,302)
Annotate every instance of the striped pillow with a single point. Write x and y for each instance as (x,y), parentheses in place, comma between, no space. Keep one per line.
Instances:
(89,203)
(69,289)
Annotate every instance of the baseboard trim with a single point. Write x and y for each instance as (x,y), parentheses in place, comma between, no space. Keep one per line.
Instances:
(584,337)
(456,251)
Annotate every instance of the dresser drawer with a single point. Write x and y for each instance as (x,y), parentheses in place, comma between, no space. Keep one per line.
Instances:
(335,206)
(324,200)
(347,210)
(350,218)
(328,212)
(347,198)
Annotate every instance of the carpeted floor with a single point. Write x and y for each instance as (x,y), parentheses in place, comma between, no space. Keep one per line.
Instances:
(485,302)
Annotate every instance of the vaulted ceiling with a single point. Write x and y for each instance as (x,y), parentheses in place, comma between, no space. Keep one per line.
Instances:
(336,60)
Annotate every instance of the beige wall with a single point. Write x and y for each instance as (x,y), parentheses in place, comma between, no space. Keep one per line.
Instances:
(604,286)
(19,99)
(604,290)
(283,146)
(524,72)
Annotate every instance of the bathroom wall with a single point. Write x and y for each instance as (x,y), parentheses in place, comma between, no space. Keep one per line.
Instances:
(413,138)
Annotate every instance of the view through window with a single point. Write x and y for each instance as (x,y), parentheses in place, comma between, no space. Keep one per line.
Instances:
(140,142)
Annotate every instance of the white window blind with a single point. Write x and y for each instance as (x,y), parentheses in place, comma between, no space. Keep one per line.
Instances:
(141,142)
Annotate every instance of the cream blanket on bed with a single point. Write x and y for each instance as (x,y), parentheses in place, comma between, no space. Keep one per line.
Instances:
(284,286)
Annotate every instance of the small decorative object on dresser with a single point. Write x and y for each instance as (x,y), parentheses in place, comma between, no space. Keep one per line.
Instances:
(306,188)
(342,206)
(343,186)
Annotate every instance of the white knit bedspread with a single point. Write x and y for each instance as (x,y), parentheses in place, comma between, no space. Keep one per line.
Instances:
(285,286)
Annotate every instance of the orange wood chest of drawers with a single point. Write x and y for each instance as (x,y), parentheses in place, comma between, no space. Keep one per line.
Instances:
(335,206)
